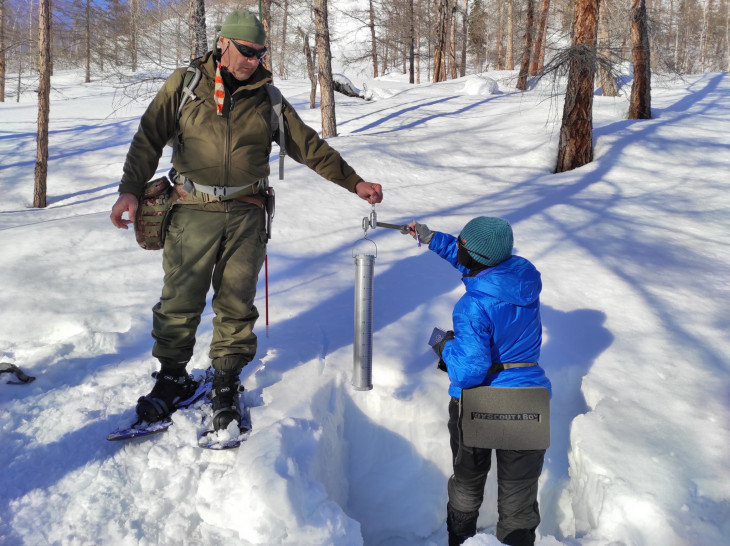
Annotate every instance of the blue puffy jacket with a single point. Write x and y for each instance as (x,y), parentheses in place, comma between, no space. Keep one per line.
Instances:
(496,320)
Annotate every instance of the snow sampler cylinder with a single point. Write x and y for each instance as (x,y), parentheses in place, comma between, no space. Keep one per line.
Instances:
(362,373)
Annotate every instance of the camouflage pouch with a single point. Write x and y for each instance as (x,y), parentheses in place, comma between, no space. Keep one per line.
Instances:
(154,213)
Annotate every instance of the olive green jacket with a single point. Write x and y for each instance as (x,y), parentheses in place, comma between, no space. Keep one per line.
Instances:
(228,150)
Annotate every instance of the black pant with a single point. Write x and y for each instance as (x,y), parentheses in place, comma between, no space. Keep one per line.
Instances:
(517,476)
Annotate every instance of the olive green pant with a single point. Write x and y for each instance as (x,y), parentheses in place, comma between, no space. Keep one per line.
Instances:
(224,247)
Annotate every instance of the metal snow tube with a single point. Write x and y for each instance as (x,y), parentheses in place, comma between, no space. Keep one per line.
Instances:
(362,374)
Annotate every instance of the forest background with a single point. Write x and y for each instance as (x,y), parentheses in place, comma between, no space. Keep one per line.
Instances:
(107,36)
(432,40)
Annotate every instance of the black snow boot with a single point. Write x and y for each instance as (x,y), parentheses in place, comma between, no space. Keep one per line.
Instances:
(461,525)
(520,537)
(172,386)
(224,397)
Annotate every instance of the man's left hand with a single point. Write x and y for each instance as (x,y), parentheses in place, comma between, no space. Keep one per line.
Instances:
(370,192)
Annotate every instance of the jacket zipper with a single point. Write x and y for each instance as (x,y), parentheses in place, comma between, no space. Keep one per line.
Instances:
(227,170)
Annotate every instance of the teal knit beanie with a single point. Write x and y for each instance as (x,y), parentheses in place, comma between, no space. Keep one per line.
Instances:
(488,240)
(243,25)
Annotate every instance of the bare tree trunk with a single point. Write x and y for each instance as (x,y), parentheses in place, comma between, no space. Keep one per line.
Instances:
(44,92)
(159,32)
(640,101)
(196,23)
(282,61)
(527,49)
(670,27)
(178,51)
(20,71)
(87,23)
(464,37)
(134,7)
(676,36)
(429,40)
(405,60)
(115,49)
(500,37)
(326,86)
(727,36)
(311,72)
(439,62)
(575,148)
(418,45)
(373,44)
(31,53)
(538,52)
(2,51)
(510,60)
(411,44)
(607,80)
(706,9)
(452,42)
(265,12)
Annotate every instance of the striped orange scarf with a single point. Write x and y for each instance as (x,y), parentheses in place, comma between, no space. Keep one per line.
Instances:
(219,92)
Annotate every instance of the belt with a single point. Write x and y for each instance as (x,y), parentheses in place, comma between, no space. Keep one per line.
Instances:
(243,198)
(508,365)
(221,192)
(499,366)
(249,199)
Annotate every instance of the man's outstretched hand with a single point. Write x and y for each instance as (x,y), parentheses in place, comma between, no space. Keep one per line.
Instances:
(370,192)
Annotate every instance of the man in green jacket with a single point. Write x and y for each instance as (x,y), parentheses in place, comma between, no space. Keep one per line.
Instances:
(217,234)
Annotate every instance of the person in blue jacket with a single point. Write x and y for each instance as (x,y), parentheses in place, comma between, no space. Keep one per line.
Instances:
(496,342)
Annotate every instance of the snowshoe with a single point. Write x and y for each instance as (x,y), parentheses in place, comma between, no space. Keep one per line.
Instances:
(7,367)
(144,428)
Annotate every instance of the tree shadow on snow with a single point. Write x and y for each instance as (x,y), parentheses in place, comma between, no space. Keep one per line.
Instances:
(328,326)
(89,138)
(27,466)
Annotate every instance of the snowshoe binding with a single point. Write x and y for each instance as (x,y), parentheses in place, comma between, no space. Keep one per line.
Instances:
(229,425)
(171,387)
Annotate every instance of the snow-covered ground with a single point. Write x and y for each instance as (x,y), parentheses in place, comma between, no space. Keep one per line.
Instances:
(634,250)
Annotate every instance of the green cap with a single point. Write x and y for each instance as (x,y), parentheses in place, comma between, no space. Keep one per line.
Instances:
(243,25)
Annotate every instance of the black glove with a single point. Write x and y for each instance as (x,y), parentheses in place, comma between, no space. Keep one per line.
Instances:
(439,348)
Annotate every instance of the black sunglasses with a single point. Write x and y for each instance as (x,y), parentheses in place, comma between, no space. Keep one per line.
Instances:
(462,244)
(249,52)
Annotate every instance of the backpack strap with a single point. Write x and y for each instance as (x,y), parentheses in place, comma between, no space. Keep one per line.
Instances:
(277,123)
(190,82)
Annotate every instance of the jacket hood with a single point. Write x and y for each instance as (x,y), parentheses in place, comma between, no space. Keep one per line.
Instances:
(514,281)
